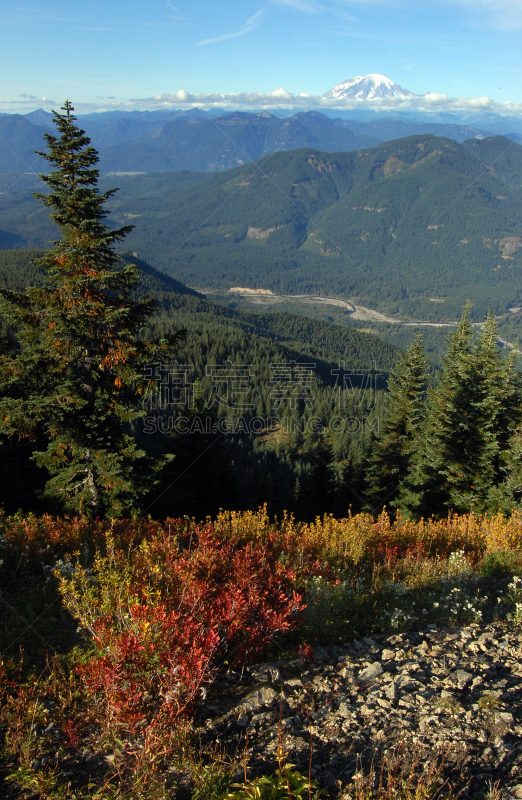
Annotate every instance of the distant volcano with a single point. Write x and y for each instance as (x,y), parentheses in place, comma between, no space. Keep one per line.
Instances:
(369,87)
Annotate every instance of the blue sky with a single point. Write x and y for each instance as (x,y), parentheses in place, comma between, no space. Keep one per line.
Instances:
(101,53)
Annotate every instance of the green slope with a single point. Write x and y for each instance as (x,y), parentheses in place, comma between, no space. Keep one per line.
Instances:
(178,306)
(501,157)
(413,227)
(289,463)
(398,226)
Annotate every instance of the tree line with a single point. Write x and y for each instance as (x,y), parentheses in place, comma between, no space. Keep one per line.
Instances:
(74,385)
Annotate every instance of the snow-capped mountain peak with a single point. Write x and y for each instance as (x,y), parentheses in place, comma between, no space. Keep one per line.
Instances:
(367,87)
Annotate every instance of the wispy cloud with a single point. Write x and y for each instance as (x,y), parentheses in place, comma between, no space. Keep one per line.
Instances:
(251,23)
(307,6)
(503,15)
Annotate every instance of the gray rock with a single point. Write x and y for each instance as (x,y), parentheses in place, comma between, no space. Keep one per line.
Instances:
(392,692)
(504,718)
(407,684)
(321,714)
(463,678)
(256,700)
(293,685)
(413,697)
(266,673)
(320,654)
(265,718)
(370,673)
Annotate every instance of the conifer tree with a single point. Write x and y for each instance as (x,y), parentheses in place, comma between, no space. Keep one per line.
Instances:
(393,448)
(471,415)
(76,379)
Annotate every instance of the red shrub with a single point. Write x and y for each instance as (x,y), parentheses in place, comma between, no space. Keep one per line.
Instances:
(154,670)
(161,617)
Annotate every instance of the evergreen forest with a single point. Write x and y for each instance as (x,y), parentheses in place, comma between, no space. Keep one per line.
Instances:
(277,408)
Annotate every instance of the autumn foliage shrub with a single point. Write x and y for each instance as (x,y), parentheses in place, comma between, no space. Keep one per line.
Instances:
(340,544)
(162,607)
(30,545)
(310,548)
(163,614)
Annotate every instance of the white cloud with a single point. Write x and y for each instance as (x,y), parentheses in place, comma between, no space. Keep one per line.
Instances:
(277,98)
(251,23)
(28,102)
(32,102)
(281,98)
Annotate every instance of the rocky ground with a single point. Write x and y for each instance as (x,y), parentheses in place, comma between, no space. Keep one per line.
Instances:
(451,695)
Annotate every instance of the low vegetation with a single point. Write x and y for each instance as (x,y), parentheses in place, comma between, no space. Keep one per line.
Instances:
(112,633)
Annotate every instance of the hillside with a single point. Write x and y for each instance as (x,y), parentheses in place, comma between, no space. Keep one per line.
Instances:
(271,450)
(186,307)
(228,141)
(19,139)
(414,227)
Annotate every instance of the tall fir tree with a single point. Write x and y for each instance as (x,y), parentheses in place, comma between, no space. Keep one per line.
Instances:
(76,380)
(472,413)
(392,449)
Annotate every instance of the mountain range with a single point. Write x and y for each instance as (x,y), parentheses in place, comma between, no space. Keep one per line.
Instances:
(152,141)
(413,227)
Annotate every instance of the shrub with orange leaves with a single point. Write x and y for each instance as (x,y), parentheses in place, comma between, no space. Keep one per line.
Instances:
(161,615)
(345,543)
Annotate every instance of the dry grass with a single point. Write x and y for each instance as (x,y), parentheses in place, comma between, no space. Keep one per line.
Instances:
(401,778)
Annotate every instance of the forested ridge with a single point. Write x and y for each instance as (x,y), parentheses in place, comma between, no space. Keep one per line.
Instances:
(198,140)
(330,439)
(414,227)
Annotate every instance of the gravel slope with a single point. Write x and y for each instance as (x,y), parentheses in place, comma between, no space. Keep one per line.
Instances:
(456,694)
